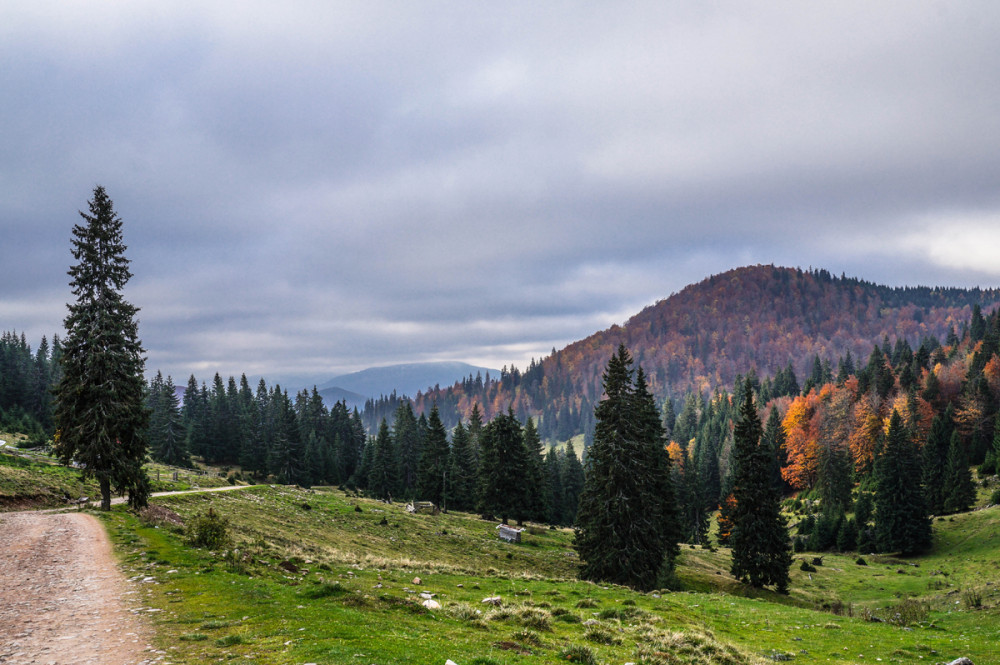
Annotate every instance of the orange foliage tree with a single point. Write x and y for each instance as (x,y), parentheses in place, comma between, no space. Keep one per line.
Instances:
(802,424)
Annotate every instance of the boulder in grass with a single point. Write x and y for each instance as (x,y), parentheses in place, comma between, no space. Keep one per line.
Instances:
(492,600)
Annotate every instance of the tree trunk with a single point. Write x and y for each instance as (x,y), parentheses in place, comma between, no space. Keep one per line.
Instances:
(105,494)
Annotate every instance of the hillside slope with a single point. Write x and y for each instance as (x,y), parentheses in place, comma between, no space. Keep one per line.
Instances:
(757,317)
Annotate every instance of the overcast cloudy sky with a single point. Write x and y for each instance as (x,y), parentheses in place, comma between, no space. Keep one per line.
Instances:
(311,188)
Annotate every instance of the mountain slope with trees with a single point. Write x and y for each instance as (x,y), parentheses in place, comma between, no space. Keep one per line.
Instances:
(772,320)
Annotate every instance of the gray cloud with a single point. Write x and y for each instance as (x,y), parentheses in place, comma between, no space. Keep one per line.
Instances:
(319,187)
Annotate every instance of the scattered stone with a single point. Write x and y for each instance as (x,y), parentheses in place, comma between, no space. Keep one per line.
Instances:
(431,604)
(417,580)
(450,662)
(961,661)
(492,600)
(289,566)
(426,596)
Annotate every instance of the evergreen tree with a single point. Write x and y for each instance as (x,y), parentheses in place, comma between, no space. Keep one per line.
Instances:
(406,440)
(901,521)
(432,481)
(286,453)
(572,479)
(760,552)
(253,452)
(625,525)
(847,536)
(834,477)
(195,413)
(171,445)
(502,470)
(461,491)
(552,486)
(100,412)
(382,479)
(959,492)
(774,439)
(652,439)
(933,458)
(535,477)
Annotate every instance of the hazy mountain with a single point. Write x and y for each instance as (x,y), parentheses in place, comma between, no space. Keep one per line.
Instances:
(332,395)
(404,379)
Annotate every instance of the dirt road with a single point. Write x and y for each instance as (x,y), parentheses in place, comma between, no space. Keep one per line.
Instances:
(62,598)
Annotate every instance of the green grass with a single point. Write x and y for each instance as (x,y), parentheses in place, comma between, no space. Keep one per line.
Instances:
(30,479)
(333,585)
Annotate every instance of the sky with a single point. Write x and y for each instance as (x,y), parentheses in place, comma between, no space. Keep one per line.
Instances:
(313,188)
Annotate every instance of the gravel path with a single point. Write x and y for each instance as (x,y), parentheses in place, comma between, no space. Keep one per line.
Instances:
(62,599)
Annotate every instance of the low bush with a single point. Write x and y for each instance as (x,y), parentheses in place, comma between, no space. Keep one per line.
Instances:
(208,530)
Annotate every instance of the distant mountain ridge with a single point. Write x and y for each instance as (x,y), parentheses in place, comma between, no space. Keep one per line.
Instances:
(403,379)
(757,317)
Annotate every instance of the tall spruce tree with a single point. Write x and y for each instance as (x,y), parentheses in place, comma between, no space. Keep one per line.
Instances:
(571,478)
(625,525)
(101,414)
(463,465)
(901,520)
(759,539)
(382,478)
(503,469)
(167,426)
(535,478)
(432,471)
(959,492)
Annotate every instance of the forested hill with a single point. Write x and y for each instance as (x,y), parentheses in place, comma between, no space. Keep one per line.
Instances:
(763,318)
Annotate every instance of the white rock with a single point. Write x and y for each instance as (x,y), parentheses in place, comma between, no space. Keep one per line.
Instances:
(431,604)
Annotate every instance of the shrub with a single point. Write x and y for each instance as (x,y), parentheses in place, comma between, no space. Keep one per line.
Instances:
(578,654)
(806,567)
(995,497)
(535,618)
(840,609)
(599,635)
(527,637)
(587,602)
(209,530)
(973,599)
(229,640)
(621,613)
(569,618)
(910,611)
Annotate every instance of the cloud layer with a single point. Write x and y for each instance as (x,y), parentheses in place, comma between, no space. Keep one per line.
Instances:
(316,188)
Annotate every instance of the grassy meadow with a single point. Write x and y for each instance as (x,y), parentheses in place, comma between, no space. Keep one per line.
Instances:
(319,576)
(32,479)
